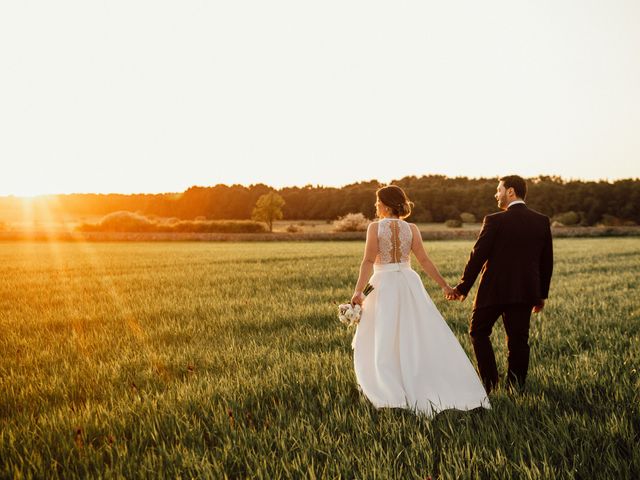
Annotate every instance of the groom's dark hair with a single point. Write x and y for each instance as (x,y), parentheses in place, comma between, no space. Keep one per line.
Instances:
(517,183)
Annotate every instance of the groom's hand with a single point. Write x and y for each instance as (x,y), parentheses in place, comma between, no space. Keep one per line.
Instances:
(538,308)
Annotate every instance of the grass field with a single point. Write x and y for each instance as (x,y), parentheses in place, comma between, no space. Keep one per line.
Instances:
(217,360)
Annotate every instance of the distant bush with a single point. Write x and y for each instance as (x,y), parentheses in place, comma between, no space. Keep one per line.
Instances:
(134,222)
(453,223)
(215,226)
(351,222)
(467,217)
(122,221)
(611,221)
(294,229)
(567,218)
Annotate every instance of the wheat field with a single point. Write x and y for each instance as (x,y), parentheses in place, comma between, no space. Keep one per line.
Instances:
(209,360)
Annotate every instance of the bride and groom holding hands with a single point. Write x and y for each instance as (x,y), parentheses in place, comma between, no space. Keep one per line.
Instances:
(405,355)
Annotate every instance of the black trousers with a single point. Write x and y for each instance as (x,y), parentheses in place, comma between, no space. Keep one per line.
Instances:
(516,319)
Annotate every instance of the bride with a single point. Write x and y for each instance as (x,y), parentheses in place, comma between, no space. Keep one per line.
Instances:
(405,355)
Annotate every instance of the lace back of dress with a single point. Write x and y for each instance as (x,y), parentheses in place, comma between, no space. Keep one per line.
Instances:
(394,241)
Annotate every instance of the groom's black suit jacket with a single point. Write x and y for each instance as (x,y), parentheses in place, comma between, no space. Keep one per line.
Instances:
(515,253)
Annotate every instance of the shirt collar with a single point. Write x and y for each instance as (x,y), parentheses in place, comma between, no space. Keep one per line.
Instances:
(515,202)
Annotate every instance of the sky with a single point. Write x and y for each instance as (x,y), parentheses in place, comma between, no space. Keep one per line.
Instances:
(156,96)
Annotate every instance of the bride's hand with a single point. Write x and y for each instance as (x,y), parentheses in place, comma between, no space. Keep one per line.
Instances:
(357,299)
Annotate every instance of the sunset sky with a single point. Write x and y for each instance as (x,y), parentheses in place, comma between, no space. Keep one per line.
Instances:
(156,96)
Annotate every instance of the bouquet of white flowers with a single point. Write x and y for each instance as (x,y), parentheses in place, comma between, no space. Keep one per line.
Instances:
(350,314)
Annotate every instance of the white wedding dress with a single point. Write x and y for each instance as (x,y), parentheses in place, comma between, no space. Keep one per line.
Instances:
(404,354)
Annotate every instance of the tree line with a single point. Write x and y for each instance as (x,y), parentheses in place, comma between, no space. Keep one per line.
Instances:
(437,198)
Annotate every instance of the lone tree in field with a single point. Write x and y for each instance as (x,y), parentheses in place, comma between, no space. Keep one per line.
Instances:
(268,208)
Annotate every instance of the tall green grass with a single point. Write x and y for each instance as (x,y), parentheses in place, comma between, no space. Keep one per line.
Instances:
(227,360)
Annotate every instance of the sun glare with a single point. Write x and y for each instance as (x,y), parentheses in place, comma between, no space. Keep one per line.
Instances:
(29,196)
(37,216)
(26,191)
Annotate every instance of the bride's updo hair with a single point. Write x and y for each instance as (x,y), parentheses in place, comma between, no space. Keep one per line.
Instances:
(395,198)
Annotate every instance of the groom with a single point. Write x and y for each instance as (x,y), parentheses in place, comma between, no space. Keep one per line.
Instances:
(514,256)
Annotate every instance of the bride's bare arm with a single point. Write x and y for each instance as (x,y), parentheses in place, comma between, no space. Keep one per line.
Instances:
(366,267)
(425,262)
